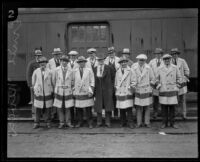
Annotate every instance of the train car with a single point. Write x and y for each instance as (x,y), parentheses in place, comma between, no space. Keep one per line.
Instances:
(140,29)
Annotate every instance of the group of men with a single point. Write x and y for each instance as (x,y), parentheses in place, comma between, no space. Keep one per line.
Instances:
(72,85)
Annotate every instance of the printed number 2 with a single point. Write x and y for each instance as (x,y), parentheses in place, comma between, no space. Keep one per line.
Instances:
(11,14)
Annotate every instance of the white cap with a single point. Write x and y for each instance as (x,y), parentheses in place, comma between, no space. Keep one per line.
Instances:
(126,51)
(90,50)
(167,56)
(73,53)
(56,51)
(141,57)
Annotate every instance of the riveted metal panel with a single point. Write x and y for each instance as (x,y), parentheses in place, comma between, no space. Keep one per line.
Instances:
(55,37)
(121,35)
(141,37)
(36,38)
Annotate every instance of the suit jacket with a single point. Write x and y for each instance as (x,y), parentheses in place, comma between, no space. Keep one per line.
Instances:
(31,67)
(103,90)
(116,64)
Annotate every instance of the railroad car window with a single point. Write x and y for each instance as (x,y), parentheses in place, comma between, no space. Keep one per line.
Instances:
(103,33)
(81,33)
(82,36)
(96,33)
(74,33)
(89,33)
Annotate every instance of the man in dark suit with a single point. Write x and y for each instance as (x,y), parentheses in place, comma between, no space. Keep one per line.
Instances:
(32,65)
(112,61)
(103,92)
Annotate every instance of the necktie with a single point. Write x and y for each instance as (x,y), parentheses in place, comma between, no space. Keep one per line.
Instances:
(81,72)
(57,63)
(64,73)
(158,62)
(141,68)
(111,61)
(101,70)
(122,71)
(72,64)
(175,63)
(92,62)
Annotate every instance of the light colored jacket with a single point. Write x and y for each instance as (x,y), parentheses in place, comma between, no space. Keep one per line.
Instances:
(185,72)
(168,80)
(88,63)
(124,84)
(75,65)
(145,81)
(83,86)
(63,87)
(40,85)
(153,65)
(51,64)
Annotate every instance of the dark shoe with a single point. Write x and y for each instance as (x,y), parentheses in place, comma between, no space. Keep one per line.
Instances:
(108,125)
(163,126)
(155,115)
(174,126)
(90,126)
(148,125)
(98,125)
(48,125)
(138,126)
(122,125)
(184,117)
(61,126)
(77,125)
(131,126)
(70,125)
(35,126)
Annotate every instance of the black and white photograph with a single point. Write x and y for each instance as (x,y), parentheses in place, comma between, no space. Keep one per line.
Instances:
(102,83)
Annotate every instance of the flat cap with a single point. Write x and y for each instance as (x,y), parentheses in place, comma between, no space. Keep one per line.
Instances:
(101,56)
(43,59)
(158,50)
(126,51)
(73,53)
(64,58)
(38,52)
(81,59)
(111,50)
(57,51)
(91,50)
(167,56)
(123,59)
(141,57)
(175,50)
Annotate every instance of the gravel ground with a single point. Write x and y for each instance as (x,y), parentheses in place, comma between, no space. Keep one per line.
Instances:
(104,142)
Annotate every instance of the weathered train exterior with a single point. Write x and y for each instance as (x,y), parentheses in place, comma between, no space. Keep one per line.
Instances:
(140,29)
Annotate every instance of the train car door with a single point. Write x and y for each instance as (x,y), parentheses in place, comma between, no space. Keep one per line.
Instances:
(82,36)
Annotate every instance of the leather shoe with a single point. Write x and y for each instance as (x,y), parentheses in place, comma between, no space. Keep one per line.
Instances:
(108,125)
(98,125)
(61,126)
(174,126)
(78,125)
(35,126)
(148,125)
(48,126)
(138,126)
(163,126)
(131,126)
(122,125)
(90,126)
(70,125)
